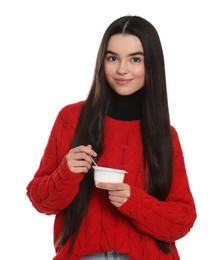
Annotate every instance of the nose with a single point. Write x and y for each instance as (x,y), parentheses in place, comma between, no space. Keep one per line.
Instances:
(122,67)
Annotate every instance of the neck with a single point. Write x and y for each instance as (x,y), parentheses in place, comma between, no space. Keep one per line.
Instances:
(126,108)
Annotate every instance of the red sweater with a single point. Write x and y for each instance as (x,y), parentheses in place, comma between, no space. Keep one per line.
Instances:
(129,229)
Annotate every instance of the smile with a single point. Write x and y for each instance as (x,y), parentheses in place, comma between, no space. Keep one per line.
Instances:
(123,81)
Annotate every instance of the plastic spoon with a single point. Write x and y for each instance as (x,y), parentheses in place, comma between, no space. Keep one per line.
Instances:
(93,160)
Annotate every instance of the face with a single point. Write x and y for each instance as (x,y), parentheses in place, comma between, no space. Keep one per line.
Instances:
(124,64)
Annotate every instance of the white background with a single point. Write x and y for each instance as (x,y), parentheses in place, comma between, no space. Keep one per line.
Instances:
(47,58)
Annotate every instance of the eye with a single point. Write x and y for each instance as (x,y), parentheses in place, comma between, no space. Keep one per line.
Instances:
(111,58)
(136,59)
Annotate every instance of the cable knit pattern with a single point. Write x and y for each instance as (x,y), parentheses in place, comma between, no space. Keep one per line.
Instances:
(129,229)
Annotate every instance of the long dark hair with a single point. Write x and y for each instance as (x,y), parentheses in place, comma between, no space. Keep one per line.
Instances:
(155,122)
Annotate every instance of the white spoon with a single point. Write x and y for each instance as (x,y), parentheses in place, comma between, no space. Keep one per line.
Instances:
(93,160)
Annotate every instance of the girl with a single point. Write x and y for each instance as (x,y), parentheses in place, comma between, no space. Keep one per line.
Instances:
(124,123)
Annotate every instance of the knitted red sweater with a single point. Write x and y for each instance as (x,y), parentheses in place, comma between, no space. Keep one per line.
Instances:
(129,229)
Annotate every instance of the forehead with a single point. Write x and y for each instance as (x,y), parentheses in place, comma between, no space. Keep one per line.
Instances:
(124,43)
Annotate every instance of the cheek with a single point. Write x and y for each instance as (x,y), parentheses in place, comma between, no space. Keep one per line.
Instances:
(139,73)
(108,71)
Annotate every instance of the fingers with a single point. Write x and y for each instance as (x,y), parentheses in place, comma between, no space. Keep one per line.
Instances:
(78,159)
(119,193)
(84,149)
(113,186)
(117,200)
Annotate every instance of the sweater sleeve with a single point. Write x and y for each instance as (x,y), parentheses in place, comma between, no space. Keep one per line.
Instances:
(54,186)
(166,220)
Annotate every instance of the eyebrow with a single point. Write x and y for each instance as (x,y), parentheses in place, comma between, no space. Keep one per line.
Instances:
(131,54)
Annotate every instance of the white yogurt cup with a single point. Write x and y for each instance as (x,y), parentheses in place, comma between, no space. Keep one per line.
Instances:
(105,174)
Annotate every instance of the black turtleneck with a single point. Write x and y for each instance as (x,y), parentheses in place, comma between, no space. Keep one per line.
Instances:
(126,108)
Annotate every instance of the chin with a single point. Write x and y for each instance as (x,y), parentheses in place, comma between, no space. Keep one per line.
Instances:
(124,92)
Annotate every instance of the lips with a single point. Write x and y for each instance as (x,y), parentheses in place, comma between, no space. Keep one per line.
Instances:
(121,81)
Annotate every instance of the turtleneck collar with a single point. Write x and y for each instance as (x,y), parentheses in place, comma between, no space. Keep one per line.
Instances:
(126,108)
